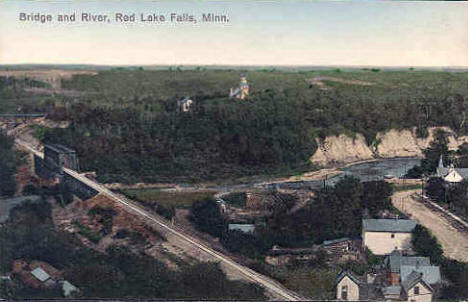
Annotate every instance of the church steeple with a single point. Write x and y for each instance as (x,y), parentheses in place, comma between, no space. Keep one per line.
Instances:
(242,91)
(441,162)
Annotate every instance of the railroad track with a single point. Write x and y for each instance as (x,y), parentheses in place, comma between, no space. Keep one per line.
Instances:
(280,292)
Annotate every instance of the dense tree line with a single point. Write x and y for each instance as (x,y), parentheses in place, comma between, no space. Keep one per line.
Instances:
(8,162)
(333,213)
(30,234)
(126,126)
(454,195)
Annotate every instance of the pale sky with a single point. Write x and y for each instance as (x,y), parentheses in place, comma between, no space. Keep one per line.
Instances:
(375,33)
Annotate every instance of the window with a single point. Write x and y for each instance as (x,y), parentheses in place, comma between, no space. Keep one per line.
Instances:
(344,292)
(416,290)
(393,235)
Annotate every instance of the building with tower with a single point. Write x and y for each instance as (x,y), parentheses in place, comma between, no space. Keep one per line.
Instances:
(242,91)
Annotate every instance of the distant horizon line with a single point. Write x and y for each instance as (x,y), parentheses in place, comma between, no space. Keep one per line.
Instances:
(225,66)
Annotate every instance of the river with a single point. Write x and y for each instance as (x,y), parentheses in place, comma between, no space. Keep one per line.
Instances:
(367,171)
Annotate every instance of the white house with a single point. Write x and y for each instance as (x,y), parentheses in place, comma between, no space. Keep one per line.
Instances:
(184,104)
(416,289)
(347,287)
(451,174)
(382,236)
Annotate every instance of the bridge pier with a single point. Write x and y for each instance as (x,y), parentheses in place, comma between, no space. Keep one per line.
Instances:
(51,168)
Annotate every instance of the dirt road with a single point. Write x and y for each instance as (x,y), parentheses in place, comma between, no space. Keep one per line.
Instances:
(454,242)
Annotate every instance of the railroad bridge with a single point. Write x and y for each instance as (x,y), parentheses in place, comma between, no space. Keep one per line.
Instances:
(51,166)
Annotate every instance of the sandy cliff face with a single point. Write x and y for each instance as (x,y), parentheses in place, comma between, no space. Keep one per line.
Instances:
(341,149)
(393,143)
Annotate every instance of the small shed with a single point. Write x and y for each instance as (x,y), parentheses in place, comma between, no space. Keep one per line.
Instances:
(244,228)
(40,274)
(68,289)
(184,104)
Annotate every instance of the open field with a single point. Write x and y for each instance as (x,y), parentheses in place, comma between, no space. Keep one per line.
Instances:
(168,199)
(51,76)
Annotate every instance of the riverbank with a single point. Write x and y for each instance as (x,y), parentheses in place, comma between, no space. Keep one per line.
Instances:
(371,169)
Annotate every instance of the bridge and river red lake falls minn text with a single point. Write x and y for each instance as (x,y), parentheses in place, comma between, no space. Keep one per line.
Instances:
(125,18)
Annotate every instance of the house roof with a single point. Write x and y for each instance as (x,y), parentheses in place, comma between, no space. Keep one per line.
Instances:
(328,242)
(392,290)
(413,279)
(430,273)
(40,274)
(185,100)
(445,172)
(246,228)
(396,260)
(68,288)
(275,251)
(453,176)
(350,275)
(388,225)
(236,92)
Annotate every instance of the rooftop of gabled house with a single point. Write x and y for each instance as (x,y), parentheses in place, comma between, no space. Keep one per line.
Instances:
(405,265)
(413,279)
(395,260)
(388,225)
(430,273)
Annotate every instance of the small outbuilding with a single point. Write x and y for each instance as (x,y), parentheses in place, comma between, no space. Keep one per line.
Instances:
(184,104)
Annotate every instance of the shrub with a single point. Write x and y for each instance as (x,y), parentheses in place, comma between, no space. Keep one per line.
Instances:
(207,216)
(424,243)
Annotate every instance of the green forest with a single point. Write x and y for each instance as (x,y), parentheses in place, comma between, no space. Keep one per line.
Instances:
(126,126)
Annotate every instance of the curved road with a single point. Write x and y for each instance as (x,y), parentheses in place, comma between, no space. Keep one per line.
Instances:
(273,287)
(454,241)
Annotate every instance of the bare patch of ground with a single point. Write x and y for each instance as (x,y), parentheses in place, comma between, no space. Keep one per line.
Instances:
(25,132)
(51,76)
(318,81)
(454,243)
(141,236)
(52,91)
